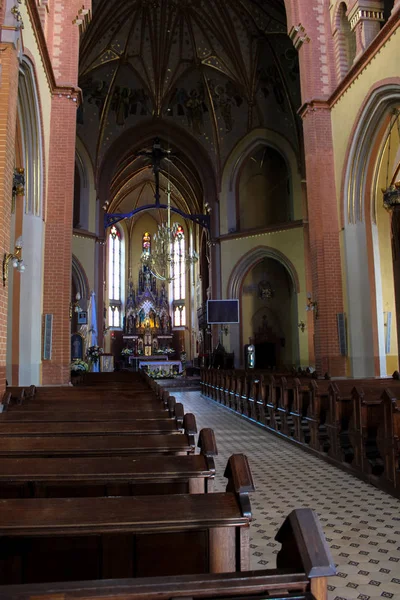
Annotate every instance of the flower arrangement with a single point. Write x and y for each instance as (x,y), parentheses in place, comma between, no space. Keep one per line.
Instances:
(164,351)
(79,366)
(126,352)
(158,373)
(94,352)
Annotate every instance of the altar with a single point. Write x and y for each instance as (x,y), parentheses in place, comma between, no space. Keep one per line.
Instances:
(147,323)
(161,368)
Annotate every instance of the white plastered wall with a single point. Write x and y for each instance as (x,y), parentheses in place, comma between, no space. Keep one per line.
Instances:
(30,336)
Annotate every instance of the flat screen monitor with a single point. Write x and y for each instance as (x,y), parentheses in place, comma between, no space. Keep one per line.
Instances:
(222,311)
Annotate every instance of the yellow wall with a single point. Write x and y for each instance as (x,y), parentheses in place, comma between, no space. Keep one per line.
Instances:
(84,250)
(384,65)
(385,246)
(255,140)
(344,116)
(291,244)
(92,196)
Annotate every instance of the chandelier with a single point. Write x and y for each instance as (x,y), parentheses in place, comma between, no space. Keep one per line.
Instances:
(167,257)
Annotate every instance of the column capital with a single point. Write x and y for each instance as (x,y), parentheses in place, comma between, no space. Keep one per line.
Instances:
(366,10)
(365,19)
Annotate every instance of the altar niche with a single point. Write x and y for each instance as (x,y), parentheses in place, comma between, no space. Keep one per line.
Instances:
(147,323)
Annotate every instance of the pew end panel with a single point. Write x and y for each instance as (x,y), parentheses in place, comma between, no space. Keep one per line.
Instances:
(208,448)
(179,414)
(5,402)
(240,481)
(171,404)
(190,428)
(304,548)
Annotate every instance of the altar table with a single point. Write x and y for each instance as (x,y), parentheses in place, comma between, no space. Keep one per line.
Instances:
(171,366)
(136,360)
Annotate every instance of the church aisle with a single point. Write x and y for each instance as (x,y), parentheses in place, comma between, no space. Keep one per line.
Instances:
(361,524)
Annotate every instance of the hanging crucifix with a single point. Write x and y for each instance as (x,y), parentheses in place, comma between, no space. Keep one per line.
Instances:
(156,155)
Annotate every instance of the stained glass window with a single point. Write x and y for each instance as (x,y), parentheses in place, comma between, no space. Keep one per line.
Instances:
(179,282)
(115,276)
(146,244)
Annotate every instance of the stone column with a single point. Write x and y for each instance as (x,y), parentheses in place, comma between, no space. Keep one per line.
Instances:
(365,19)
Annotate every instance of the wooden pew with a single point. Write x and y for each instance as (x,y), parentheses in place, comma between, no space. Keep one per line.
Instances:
(87,428)
(100,445)
(91,404)
(27,423)
(342,420)
(64,539)
(115,476)
(53,415)
(303,565)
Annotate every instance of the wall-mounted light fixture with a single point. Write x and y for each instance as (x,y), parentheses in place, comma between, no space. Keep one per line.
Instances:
(301,326)
(15,258)
(312,305)
(74,306)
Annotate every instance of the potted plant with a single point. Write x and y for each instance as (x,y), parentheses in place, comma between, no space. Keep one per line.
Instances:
(78,368)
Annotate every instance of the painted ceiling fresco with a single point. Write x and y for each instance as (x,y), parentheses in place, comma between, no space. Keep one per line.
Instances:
(218,68)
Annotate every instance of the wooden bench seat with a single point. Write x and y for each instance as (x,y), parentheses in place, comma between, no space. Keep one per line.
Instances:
(102,415)
(167,402)
(59,539)
(97,445)
(304,563)
(83,400)
(87,428)
(116,476)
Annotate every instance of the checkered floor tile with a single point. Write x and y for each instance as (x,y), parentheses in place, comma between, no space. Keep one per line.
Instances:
(361,524)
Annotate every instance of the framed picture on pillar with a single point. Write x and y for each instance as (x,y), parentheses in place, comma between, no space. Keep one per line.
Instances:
(82,317)
(77,346)
(106,363)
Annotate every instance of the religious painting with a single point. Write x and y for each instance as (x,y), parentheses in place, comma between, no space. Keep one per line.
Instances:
(106,363)
(76,346)
(125,101)
(226,97)
(190,102)
(82,318)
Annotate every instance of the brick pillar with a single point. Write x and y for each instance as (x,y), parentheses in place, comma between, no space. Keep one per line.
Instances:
(58,237)
(365,19)
(60,191)
(324,237)
(8,115)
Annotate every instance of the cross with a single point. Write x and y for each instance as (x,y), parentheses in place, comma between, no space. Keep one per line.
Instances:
(156,155)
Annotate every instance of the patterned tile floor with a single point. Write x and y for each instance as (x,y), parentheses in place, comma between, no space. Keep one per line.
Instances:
(361,524)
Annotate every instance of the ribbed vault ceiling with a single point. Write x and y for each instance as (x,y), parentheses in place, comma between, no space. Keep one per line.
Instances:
(217,68)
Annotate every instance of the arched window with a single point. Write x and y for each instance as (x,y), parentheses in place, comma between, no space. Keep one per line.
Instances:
(115,277)
(179,283)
